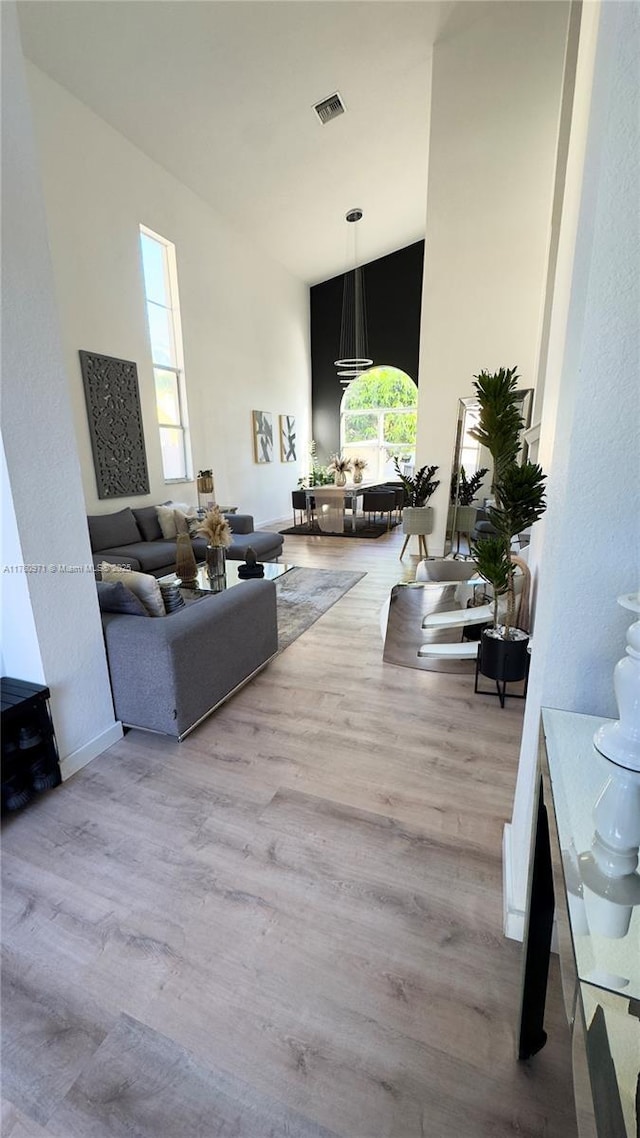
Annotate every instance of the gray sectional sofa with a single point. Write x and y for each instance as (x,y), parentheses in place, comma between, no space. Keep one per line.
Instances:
(169,673)
(134,538)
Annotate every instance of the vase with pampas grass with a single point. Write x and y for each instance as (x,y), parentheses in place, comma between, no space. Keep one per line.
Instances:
(359,465)
(215,528)
(339,467)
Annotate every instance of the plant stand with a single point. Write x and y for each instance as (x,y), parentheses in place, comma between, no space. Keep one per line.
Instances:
(423,552)
(500,680)
(417,521)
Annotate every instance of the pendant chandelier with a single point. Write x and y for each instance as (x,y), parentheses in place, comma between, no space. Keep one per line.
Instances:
(353,357)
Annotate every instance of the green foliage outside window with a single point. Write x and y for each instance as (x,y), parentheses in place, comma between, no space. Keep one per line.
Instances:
(359,428)
(400,428)
(381,387)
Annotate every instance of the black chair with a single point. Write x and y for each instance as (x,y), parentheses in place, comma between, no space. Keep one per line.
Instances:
(379,502)
(398,490)
(299,503)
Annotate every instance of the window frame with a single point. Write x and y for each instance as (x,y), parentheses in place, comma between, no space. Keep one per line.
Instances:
(177,367)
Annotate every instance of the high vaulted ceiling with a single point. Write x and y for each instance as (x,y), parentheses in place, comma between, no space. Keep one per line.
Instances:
(221,95)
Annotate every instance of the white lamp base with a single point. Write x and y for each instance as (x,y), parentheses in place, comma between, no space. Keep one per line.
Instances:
(620,741)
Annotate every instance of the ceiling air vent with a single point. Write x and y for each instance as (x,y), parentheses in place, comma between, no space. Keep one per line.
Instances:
(328,109)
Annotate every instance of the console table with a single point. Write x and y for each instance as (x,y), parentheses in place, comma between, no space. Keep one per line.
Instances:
(29,748)
(598,928)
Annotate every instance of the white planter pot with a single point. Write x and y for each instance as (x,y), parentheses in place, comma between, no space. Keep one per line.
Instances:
(465,518)
(417,520)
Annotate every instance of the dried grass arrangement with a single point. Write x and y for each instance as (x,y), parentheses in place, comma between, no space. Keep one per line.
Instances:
(215,528)
(359,463)
(339,464)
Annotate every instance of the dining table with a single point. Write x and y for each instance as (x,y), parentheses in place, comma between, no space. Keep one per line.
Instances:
(331,501)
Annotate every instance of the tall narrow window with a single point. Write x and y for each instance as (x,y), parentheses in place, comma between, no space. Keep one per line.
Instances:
(163,316)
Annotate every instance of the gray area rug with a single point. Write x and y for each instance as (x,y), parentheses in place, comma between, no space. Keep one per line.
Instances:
(304,595)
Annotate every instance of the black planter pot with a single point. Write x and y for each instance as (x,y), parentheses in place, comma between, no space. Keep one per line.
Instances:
(505,661)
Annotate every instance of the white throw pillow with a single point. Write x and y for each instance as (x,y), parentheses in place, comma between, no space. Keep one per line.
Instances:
(144,585)
(166,517)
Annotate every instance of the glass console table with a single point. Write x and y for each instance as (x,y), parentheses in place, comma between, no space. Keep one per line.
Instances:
(598,929)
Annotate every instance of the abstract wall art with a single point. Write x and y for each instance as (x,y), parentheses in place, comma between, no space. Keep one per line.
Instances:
(115,425)
(262,436)
(288,438)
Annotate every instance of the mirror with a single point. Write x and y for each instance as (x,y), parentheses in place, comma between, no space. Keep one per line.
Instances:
(470,492)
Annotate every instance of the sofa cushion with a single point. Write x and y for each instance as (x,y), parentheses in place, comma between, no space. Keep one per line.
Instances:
(148,524)
(240,523)
(266,546)
(153,555)
(113,596)
(115,557)
(109,530)
(143,585)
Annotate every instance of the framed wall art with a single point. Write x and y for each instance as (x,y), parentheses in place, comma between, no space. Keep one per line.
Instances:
(288,438)
(262,436)
(115,425)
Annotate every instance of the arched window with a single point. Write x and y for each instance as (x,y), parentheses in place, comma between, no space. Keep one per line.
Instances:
(378,418)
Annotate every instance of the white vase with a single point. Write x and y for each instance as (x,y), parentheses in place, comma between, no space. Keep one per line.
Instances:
(620,741)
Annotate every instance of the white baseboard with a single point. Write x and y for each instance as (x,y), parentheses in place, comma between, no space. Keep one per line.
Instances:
(272,523)
(80,758)
(512,917)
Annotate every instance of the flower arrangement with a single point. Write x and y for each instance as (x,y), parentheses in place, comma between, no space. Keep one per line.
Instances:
(359,463)
(339,464)
(215,527)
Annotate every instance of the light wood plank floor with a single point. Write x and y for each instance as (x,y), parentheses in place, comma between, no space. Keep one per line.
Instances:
(290,924)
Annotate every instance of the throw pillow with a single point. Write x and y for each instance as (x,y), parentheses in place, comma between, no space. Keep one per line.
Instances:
(167,519)
(182,517)
(110,531)
(144,585)
(113,596)
(148,524)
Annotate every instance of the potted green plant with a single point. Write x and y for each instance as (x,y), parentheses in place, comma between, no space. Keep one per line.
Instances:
(519,493)
(318,475)
(462,512)
(417,516)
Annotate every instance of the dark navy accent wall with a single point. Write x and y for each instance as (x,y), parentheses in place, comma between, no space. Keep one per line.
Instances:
(393,288)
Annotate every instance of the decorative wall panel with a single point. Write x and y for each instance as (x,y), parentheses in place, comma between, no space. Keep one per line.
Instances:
(115,425)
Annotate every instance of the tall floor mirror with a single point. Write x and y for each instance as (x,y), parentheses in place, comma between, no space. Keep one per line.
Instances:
(472,475)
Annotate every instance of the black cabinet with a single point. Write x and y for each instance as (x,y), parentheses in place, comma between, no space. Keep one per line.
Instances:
(29,751)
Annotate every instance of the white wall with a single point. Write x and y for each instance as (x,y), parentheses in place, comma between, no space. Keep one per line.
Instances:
(588,544)
(42,490)
(495,108)
(21,657)
(245,320)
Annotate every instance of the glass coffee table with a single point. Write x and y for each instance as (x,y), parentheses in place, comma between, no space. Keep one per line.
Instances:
(203,584)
